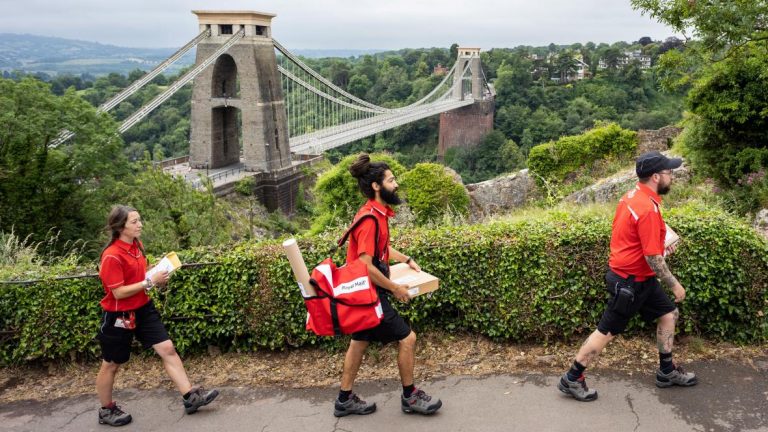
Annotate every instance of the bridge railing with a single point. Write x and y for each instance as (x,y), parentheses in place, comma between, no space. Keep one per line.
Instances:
(218,177)
(165,163)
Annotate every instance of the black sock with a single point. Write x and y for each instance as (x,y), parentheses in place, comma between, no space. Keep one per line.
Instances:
(344,395)
(187,394)
(665,363)
(408,390)
(576,370)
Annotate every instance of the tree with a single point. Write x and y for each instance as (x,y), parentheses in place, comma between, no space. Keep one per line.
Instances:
(340,73)
(580,115)
(670,43)
(44,188)
(722,26)
(730,131)
(726,136)
(454,51)
(174,212)
(495,155)
(512,81)
(645,40)
(422,70)
(543,125)
(612,58)
(512,157)
(566,65)
(511,120)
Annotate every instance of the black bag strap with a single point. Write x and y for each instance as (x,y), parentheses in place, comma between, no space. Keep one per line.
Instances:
(355,225)
(335,318)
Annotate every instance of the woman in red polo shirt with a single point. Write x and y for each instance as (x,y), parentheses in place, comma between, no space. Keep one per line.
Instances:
(129,313)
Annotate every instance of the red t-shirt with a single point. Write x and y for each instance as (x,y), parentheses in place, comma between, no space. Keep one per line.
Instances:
(362,239)
(122,264)
(638,231)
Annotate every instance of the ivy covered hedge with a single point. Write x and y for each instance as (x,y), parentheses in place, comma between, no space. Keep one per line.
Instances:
(534,279)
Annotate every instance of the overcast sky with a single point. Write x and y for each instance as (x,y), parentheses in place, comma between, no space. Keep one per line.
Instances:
(338,24)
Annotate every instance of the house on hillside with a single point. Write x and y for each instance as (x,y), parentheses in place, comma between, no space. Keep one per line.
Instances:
(582,69)
(439,70)
(627,58)
(576,70)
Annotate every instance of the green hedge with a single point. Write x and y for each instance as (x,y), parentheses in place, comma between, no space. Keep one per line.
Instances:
(535,279)
(555,160)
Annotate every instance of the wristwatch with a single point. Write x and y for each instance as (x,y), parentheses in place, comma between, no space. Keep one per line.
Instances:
(408,261)
(148,283)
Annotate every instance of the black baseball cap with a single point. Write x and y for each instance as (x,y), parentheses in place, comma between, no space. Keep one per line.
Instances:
(652,162)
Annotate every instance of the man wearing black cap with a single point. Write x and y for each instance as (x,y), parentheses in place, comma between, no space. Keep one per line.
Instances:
(636,260)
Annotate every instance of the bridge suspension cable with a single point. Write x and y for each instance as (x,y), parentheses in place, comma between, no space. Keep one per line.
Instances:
(189,76)
(319,111)
(322,116)
(319,77)
(65,135)
(139,83)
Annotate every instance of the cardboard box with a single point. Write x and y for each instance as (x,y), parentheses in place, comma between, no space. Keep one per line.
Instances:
(671,237)
(419,282)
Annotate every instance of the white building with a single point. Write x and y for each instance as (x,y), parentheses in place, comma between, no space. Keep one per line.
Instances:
(627,58)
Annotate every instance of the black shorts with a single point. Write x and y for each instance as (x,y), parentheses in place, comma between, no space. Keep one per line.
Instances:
(649,299)
(116,342)
(392,327)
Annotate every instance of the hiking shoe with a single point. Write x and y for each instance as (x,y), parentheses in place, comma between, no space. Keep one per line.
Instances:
(198,397)
(353,405)
(114,416)
(419,402)
(677,377)
(578,389)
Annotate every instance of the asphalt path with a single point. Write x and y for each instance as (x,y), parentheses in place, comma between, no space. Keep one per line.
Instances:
(729,397)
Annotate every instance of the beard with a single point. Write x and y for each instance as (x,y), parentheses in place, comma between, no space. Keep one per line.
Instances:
(390,197)
(663,190)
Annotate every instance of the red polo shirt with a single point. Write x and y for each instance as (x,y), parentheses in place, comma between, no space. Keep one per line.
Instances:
(122,264)
(361,240)
(638,231)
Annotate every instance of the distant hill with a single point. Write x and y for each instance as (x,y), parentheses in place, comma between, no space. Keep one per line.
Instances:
(52,55)
(343,53)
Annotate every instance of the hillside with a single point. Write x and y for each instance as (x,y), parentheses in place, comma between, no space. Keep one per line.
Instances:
(53,56)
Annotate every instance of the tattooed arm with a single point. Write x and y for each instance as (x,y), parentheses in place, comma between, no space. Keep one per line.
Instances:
(659,266)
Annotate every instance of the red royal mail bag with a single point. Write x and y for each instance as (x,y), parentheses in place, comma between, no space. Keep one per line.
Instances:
(346,300)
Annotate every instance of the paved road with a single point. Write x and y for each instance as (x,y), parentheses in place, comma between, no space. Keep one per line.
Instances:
(728,398)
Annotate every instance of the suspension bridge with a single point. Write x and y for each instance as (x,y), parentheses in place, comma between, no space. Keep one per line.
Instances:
(257,109)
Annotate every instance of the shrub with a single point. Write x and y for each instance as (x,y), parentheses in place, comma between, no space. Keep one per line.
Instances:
(431,192)
(534,279)
(556,160)
(245,186)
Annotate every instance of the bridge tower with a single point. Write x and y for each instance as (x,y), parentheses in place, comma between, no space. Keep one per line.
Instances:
(237,102)
(466,126)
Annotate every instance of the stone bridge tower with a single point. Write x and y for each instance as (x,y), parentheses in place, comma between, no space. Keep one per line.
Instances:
(237,102)
(466,127)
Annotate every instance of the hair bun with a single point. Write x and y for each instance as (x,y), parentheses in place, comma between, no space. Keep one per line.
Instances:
(360,166)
